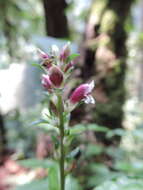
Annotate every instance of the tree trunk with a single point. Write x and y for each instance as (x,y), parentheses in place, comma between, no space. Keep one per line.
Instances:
(8,27)
(55,18)
(3,141)
(140,58)
(105,59)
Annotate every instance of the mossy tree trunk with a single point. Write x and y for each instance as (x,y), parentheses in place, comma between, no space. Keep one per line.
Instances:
(105,59)
(8,28)
(55,18)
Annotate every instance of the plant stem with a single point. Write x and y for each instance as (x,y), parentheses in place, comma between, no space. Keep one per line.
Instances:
(62,153)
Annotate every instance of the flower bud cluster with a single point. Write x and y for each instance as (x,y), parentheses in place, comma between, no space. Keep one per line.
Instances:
(58,65)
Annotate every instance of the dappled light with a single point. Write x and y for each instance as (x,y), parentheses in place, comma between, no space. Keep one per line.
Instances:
(71,95)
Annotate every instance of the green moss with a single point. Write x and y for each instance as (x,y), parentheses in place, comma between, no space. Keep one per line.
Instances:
(108,22)
(97,9)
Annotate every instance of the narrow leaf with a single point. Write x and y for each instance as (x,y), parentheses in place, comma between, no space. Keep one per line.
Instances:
(72,57)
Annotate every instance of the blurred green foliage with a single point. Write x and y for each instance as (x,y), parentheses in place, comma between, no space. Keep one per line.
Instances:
(113,167)
(17,26)
(99,167)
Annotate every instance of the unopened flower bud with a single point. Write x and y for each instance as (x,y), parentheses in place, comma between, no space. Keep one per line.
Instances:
(47,60)
(65,52)
(55,50)
(56,76)
(83,92)
(42,54)
(47,84)
(69,65)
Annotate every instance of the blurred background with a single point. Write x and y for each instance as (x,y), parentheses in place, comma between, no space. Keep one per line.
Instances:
(108,34)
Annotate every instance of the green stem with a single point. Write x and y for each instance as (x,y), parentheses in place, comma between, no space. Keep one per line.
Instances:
(62,153)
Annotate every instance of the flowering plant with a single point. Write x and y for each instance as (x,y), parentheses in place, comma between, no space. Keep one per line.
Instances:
(58,66)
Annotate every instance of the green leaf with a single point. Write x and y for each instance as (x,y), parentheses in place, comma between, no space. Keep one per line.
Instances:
(55,141)
(37,65)
(97,128)
(119,132)
(132,167)
(72,57)
(72,183)
(48,127)
(122,183)
(34,185)
(73,153)
(40,121)
(100,173)
(93,149)
(53,177)
(44,124)
(90,127)
(53,170)
(77,129)
(35,163)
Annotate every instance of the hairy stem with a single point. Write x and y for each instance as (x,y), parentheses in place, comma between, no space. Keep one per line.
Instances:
(62,153)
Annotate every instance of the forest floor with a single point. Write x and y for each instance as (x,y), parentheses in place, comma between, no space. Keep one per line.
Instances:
(9,171)
(12,174)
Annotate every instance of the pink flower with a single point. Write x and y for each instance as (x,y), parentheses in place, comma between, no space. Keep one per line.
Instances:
(56,76)
(83,92)
(65,52)
(42,54)
(47,60)
(47,84)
